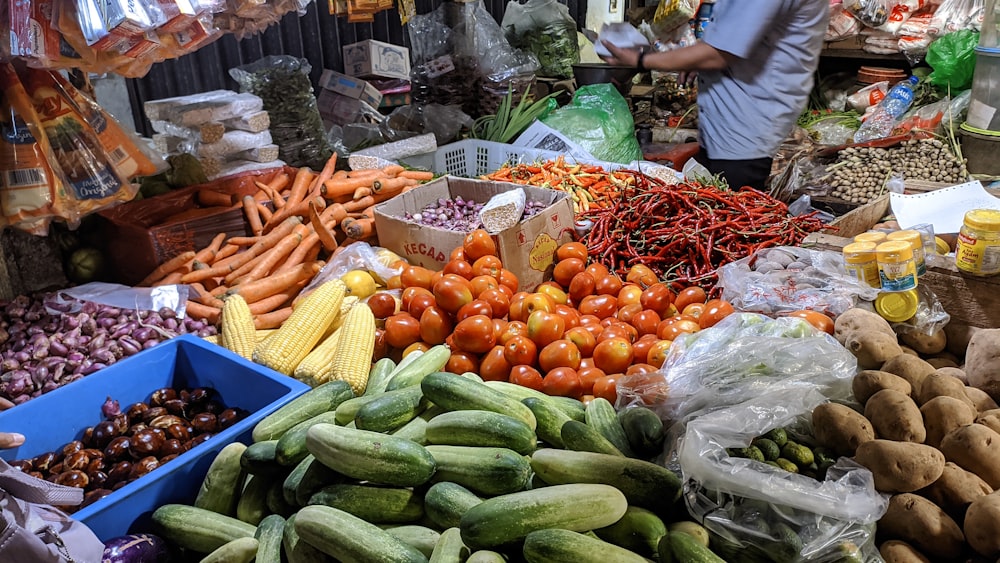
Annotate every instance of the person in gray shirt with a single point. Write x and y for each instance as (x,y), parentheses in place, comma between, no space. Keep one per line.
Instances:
(755,69)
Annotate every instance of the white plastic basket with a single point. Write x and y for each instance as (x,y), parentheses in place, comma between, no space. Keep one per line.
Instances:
(473,158)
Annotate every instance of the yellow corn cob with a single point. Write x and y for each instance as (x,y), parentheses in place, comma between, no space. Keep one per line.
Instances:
(213,339)
(238,332)
(353,360)
(345,306)
(290,344)
(317,368)
(262,334)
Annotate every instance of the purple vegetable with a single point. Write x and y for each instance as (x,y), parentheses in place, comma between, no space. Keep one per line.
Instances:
(70,322)
(10,364)
(103,355)
(22,356)
(143,334)
(110,408)
(136,548)
(150,343)
(105,322)
(57,348)
(129,345)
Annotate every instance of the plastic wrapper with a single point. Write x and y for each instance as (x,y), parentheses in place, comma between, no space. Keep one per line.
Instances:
(545,29)
(356,256)
(868,96)
(599,120)
(872,13)
(955,15)
(503,210)
(832,132)
(842,25)
(282,82)
(924,118)
(671,14)
(173,297)
(953,59)
(744,356)
(929,318)
(750,506)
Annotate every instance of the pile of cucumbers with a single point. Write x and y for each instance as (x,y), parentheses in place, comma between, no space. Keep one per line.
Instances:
(776,449)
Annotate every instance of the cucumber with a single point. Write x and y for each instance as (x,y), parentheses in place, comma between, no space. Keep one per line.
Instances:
(565,404)
(378,505)
(371,456)
(242,550)
(449,548)
(391,410)
(198,529)
(638,531)
(508,518)
(326,397)
(471,375)
(644,431)
(297,551)
(414,430)
(220,490)
(685,547)
(580,437)
(550,420)
(420,537)
(269,533)
(293,478)
(349,408)
(379,376)
(446,502)
(276,500)
(488,471)
(564,546)
(349,538)
(601,416)
(693,529)
(258,459)
(252,506)
(452,392)
(572,407)
(485,556)
(481,428)
(291,447)
(311,477)
(433,360)
(645,484)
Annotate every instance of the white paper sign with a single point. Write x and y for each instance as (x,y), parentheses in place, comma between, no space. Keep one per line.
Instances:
(623,35)
(540,136)
(944,209)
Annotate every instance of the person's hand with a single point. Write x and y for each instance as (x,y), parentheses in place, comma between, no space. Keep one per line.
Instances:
(688,77)
(619,56)
(10,440)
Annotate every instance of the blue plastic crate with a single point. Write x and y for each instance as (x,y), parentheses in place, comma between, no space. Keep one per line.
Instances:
(50,421)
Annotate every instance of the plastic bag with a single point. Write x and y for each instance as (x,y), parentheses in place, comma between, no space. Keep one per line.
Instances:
(599,120)
(357,256)
(953,59)
(737,498)
(282,82)
(924,118)
(842,24)
(744,356)
(868,96)
(545,29)
(929,318)
(872,13)
(672,13)
(954,15)
(785,279)
(122,296)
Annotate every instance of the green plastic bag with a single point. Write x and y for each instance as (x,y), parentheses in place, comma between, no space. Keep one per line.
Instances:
(598,119)
(953,58)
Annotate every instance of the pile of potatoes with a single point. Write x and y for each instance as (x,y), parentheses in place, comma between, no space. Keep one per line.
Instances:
(929,433)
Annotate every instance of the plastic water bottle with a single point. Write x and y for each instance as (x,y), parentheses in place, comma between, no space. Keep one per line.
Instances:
(888,112)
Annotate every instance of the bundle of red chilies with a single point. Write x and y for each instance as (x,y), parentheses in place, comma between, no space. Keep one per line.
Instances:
(684,232)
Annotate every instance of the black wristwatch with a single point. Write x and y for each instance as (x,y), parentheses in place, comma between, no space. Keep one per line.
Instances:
(639,61)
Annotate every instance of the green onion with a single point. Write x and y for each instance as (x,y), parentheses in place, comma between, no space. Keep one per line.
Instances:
(509,122)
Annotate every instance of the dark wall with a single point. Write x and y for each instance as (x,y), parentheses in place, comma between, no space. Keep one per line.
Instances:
(316,36)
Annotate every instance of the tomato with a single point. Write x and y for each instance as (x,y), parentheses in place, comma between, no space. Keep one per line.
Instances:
(395,282)
(589,319)
(657,297)
(608,285)
(435,325)
(658,353)
(488,265)
(582,338)
(477,244)
(401,330)
(553,290)
(508,279)
(382,304)
(462,362)
(420,303)
(472,308)
(520,350)
(628,312)
(636,369)
(641,347)
(499,328)
(482,283)
(562,382)
(587,362)
(416,276)
(560,353)
(526,376)
(715,311)
(641,275)
(506,291)
(629,294)
(675,328)
(572,250)
(569,314)
(513,328)
(565,270)
(475,334)
(411,292)
(451,292)
(381,349)
(545,328)
(494,366)
(436,277)
(815,318)
(581,286)
(614,355)
(601,306)
(415,347)
(597,270)
(606,388)
(457,254)
(498,300)
(615,331)
(646,322)
(588,376)
(595,329)
(459,268)
(650,387)
(521,309)
(693,310)
(689,295)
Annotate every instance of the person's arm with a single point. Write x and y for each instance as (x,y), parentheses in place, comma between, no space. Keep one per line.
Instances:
(700,56)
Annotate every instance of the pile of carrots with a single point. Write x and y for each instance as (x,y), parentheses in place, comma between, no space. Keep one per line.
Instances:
(313,217)
(590,186)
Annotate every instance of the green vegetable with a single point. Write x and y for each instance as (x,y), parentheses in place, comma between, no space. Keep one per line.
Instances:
(767,447)
(509,122)
(555,46)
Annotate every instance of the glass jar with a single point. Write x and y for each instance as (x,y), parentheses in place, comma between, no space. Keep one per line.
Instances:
(916,242)
(877,237)
(978,249)
(897,306)
(860,263)
(897,270)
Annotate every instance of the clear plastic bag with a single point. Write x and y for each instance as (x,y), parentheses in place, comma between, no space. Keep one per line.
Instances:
(785,279)
(357,256)
(545,29)
(122,296)
(748,504)
(744,356)
(872,13)
(599,120)
(929,318)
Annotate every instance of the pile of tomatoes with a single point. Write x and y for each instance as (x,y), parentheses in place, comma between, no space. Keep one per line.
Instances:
(573,336)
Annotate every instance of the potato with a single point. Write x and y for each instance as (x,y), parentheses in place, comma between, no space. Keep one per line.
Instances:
(895,551)
(982,525)
(859,320)
(908,350)
(958,337)
(923,343)
(990,419)
(872,349)
(895,416)
(840,428)
(944,414)
(980,399)
(871,381)
(900,467)
(938,362)
(955,489)
(975,448)
(955,372)
(942,385)
(982,361)
(910,368)
(924,525)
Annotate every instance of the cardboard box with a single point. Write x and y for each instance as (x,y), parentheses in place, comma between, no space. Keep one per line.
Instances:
(350,87)
(374,58)
(527,249)
(336,109)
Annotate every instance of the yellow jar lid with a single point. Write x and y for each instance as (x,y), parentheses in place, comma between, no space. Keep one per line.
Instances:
(870,236)
(897,307)
(983,219)
(860,248)
(894,251)
(910,236)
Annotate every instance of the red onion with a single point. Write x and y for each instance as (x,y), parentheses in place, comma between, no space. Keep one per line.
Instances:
(110,408)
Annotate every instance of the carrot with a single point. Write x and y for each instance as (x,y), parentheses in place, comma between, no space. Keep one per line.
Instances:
(205,256)
(362,192)
(260,196)
(418,175)
(392,185)
(216,243)
(171,279)
(334,213)
(269,304)
(301,209)
(233,263)
(367,173)
(279,182)
(300,186)
(325,174)
(313,253)
(274,256)
(253,216)
(225,252)
(368,213)
(298,255)
(219,291)
(359,204)
(337,188)
(212,284)
(259,289)
(274,196)
(393,170)
(362,228)
(199,311)
(272,319)
(211,198)
(264,212)
(338,175)
(325,236)
(169,266)
(243,241)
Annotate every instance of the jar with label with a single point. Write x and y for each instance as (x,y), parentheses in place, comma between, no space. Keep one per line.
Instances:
(916,242)
(897,306)
(877,237)
(860,263)
(897,270)
(978,249)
